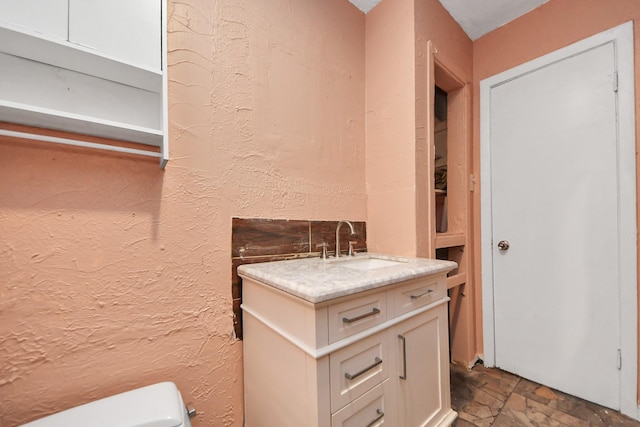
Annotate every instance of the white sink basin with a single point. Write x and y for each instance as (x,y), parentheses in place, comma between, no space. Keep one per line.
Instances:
(369,263)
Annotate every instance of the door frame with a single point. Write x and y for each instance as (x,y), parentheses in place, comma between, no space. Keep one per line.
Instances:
(622,37)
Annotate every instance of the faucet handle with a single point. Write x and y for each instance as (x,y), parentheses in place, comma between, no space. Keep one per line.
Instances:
(323,245)
(351,243)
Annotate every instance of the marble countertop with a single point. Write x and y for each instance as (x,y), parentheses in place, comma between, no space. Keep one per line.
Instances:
(317,280)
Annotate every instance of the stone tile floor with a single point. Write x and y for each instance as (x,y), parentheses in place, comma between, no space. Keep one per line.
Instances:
(486,397)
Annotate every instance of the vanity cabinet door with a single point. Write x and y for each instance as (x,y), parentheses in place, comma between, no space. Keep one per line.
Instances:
(421,375)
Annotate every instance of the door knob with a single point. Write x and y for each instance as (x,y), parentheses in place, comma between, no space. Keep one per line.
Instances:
(503,245)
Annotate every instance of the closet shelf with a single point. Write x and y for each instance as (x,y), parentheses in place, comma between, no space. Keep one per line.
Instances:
(449,240)
(456,280)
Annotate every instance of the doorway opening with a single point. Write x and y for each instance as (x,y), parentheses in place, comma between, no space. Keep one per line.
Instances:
(451,204)
(440,165)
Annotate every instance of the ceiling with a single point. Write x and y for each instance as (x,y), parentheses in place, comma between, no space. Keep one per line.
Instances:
(476,17)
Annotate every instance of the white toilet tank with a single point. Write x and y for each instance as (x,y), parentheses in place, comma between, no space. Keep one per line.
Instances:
(158,405)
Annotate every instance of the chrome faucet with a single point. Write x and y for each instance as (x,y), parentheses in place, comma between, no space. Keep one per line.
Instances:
(338,235)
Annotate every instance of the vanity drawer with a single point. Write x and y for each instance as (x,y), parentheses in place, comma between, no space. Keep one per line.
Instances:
(356,315)
(368,410)
(357,368)
(417,293)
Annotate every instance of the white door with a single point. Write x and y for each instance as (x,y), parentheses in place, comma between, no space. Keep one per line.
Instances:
(555,224)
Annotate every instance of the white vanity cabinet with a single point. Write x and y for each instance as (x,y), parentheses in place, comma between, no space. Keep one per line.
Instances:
(93,67)
(370,358)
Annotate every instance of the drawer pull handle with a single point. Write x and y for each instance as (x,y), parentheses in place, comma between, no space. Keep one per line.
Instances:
(424,294)
(362,316)
(404,357)
(380,415)
(357,374)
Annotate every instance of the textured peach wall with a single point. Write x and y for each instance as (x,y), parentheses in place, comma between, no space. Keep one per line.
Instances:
(397,115)
(114,274)
(554,25)
(390,127)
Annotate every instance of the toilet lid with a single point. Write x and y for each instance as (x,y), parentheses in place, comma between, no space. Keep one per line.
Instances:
(158,405)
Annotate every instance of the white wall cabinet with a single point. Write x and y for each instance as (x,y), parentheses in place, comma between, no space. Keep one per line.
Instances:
(125,29)
(375,358)
(49,17)
(93,67)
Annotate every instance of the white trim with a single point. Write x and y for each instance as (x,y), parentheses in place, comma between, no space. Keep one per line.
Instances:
(622,37)
(627,211)
(164,92)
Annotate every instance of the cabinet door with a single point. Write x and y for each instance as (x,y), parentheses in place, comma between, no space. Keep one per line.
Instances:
(125,29)
(422,375)
(45,17)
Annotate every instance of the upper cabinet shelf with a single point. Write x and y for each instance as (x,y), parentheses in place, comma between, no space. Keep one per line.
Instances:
(44,49)
(96,68)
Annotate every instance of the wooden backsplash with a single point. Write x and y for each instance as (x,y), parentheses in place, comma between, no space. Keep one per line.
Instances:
(256,240)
